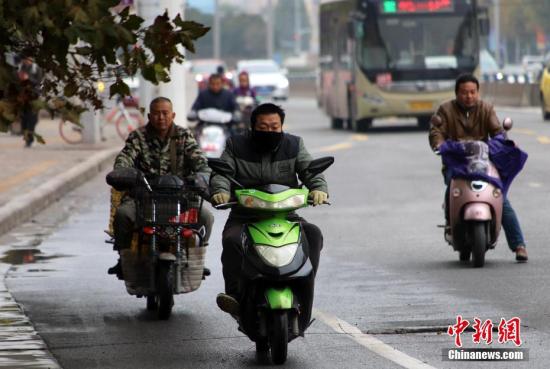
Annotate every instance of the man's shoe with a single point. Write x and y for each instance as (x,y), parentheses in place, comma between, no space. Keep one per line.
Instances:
(228,303)
(521,254)
(116,269)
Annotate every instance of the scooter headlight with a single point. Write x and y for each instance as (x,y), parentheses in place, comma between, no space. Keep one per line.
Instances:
(292,202)
(277,256)
(478,186)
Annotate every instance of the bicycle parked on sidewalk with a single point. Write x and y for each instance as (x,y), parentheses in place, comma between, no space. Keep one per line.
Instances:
(125,115)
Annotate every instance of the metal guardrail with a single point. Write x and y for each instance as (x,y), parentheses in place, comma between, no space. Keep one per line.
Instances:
(520,95)
(498,93)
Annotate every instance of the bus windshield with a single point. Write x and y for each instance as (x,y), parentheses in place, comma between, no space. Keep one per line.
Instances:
(417,43)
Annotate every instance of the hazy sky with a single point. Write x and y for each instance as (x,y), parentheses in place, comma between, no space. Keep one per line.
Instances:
(204,5)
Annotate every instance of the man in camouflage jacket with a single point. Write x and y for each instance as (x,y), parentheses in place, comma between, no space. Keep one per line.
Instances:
(148,149)
(265,155)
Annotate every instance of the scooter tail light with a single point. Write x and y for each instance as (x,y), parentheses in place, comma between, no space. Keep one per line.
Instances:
(186,233)
(149,230)
(456,192)
(193,216)
(497,193)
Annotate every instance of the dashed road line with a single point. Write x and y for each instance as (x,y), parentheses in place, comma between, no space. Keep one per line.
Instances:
(525,131)
(370,342)
(545,140)
(359,137)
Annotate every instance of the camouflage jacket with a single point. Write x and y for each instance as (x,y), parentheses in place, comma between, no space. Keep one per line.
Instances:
(150,154)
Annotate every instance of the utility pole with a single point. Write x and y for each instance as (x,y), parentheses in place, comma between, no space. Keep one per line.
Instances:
(496,17)
(297,27)
(175,89)
(269,24)
(216,29)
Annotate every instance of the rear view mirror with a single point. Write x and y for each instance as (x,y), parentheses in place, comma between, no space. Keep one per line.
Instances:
(507,123)
(123,179)
(320,165)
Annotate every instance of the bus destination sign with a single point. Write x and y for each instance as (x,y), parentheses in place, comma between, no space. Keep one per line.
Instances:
(416,6)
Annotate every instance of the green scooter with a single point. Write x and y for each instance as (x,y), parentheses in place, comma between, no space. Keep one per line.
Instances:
(276,276)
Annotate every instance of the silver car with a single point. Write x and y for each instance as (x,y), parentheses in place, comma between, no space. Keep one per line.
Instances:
(266,78)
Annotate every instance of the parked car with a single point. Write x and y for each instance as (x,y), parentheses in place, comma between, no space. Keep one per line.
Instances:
(545,92)
(266,77)
(203,68)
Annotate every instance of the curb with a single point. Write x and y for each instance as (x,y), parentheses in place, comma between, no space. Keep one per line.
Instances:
(23,207)
(25,348)
(20,345)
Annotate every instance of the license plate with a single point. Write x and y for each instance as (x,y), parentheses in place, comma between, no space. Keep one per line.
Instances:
(421,105)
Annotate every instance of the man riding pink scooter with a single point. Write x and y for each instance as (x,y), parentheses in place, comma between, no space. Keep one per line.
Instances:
(466,131)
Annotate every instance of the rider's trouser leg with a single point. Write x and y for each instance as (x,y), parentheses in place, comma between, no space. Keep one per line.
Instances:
(232,256)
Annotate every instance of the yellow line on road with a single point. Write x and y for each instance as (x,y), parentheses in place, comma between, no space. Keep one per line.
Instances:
(20,177)
(545,140)
(336,147)
(360,138)
(525,131)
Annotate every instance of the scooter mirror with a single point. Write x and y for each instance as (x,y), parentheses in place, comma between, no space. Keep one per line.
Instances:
(219,166)
(320,165)
(507,123)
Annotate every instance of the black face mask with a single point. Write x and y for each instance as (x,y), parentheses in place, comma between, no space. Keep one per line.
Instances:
(265,141)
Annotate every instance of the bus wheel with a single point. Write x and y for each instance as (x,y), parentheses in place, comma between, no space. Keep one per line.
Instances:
(424,122)
(336,123)
(361,125)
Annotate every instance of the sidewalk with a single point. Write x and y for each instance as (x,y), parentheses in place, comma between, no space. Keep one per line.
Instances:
(30,180)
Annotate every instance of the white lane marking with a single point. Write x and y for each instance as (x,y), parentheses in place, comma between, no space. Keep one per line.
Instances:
(535,184)
(370,342)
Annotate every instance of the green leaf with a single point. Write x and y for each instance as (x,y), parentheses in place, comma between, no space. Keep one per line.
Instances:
(133,23)
(70,89)
(39,138)
(119,88)
(84,50)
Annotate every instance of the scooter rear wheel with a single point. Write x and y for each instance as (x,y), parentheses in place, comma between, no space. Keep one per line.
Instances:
(152,303)
(278,337)
(479,244)
(464,255)
(165,290)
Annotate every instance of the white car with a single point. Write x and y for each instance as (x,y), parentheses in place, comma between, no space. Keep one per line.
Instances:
(266,78)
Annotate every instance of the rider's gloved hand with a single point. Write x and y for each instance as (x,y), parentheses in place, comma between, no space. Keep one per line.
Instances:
(220,198)
(318,197)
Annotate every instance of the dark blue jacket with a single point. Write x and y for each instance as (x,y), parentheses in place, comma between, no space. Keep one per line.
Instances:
(224,100)
(503,153)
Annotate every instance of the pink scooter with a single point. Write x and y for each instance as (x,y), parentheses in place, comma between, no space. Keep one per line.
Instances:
(475,212)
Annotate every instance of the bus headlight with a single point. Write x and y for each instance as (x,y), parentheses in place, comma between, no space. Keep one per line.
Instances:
(277,256)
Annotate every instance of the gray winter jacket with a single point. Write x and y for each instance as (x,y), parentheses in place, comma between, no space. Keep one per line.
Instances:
(284,166)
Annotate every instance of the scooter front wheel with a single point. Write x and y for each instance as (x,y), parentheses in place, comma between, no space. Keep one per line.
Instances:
(479,244)
(278,337)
